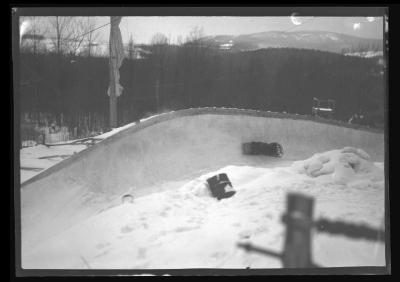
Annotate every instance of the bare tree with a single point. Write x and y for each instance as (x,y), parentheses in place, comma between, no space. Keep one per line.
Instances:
(131,48)
(62,32)
(80,30)
(159,44)
(73,35)
(159,39)
(195,36)
(195,40)
(159,47)
(92,36)
(179,40)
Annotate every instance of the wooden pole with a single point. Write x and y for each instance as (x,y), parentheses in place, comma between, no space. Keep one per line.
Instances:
(298,219)
(113,96)
(158,94)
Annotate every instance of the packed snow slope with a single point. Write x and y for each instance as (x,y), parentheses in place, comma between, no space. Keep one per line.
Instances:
(167,151)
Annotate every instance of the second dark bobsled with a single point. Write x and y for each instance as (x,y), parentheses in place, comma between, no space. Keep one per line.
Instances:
(262,148)
(218,185)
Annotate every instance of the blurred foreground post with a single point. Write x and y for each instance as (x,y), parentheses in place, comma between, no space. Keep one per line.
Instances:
(298,219)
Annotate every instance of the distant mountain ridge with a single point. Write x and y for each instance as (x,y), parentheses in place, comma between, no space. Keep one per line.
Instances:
(319,40)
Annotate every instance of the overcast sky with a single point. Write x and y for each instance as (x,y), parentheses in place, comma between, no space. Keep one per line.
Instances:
(143,28)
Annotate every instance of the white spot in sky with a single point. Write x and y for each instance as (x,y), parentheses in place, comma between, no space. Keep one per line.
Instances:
(371,19)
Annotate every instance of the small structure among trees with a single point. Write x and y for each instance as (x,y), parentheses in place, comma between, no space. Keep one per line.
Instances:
(323,108)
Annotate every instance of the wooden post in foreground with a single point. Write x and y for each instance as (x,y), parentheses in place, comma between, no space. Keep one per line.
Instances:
(113,101)
(297,251)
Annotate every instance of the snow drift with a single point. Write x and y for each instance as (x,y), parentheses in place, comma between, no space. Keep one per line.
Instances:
(187,228)
(167,151)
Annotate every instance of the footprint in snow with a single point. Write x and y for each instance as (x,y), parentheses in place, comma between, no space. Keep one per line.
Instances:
(183,229)
(245,234)
(218,255)
(236,224)
(126,229)
(102,253)
(163,213)
(102,245)
(268,215)
(141,253)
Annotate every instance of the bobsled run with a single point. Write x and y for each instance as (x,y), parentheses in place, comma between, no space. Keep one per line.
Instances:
(141,198)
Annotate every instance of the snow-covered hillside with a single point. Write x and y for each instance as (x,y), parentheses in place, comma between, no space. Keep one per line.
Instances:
(317,40)
(366,54)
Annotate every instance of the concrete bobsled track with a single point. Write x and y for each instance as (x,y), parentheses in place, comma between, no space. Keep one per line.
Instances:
(165,151)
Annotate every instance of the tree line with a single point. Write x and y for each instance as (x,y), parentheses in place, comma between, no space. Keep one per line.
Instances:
(193,74)
(67,36)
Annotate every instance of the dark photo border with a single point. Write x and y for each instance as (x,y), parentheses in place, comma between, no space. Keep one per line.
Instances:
(125,10)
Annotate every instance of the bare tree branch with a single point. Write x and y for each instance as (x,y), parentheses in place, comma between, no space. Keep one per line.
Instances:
(92,35)
(63,31)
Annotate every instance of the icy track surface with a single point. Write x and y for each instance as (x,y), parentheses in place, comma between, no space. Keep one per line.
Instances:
(186,228)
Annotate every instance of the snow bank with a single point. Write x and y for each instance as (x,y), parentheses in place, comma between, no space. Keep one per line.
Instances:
(115,130)
(342,166)
(187,228)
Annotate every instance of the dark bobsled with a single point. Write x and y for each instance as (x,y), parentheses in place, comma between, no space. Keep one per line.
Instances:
(218,184)
(262,148)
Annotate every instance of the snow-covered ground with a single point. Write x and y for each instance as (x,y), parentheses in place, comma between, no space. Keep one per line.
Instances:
(173,222)
(186,228)
(366,54)
(37,158)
